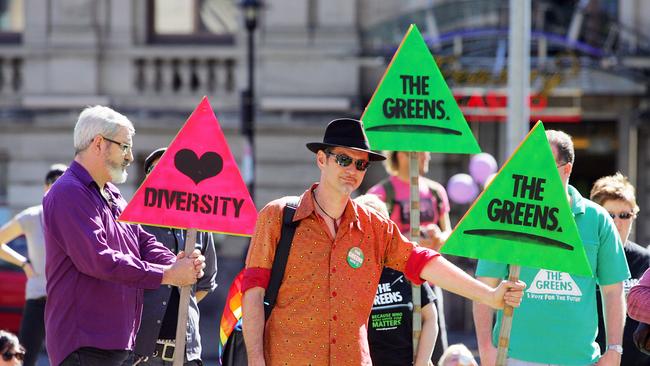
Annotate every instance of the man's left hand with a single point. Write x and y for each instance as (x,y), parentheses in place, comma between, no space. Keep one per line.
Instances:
(186,270)
(432,237)
(508,293)
(199,262)
(610,358)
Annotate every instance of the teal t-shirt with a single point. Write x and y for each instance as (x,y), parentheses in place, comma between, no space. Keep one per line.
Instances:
(557,321)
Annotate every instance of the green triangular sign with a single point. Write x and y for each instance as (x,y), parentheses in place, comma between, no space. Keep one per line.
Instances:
(413,109)
(523,216)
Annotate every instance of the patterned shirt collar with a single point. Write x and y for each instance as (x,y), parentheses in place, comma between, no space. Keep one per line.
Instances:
(306,207)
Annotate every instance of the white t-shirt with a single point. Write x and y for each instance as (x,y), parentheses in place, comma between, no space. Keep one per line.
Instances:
(31,221)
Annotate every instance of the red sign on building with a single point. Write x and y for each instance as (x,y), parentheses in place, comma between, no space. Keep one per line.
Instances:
(480,105)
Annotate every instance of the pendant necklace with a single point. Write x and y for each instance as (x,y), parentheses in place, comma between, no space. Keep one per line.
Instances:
(336,226)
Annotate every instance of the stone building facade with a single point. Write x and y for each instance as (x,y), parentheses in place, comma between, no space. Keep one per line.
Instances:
(315,60)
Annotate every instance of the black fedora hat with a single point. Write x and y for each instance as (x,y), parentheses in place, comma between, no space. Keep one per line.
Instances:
(348,133)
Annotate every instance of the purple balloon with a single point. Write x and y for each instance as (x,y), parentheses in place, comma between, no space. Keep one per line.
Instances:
(481,166)
(462,189)
(489,179)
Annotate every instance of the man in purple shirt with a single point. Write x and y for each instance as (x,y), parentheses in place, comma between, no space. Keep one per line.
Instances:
(97,267)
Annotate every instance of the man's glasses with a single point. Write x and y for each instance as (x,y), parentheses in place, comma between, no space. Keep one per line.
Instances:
(622,215)
(124,147)
(344,160)
(7,356)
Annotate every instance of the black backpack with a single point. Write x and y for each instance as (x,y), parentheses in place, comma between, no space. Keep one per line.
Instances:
(234,353)
(390,194)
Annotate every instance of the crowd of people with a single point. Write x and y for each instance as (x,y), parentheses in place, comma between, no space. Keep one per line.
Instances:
(321,316)
(104,292)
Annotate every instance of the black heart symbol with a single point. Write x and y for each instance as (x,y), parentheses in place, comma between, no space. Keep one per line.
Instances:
(188,163)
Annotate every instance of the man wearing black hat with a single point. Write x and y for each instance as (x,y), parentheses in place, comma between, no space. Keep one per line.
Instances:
(155,342)
(337,254)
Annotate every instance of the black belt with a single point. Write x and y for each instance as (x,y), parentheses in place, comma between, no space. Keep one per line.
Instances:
(165,349)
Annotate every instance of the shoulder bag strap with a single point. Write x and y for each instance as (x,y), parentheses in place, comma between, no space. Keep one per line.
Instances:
(434,192)
(281,255)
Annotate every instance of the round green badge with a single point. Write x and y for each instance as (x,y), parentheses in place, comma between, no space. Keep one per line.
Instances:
(355,257)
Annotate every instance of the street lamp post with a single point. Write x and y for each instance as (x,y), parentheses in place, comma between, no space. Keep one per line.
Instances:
(250,9)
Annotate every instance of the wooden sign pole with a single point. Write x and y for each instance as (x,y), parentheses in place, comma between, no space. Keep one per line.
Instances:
(506,322)
(183,306)
(414,174)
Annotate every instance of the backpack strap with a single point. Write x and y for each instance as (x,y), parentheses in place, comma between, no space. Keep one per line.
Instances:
(281,254)
(434,192)
(389,191)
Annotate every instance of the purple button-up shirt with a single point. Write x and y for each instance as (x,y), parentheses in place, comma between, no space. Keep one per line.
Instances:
(96,267)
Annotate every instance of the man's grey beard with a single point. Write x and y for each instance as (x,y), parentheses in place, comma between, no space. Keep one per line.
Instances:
(119,175)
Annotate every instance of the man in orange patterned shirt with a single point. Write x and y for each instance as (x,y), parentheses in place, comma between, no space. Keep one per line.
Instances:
(337,255)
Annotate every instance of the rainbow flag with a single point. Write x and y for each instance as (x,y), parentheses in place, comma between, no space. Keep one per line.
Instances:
(231,316)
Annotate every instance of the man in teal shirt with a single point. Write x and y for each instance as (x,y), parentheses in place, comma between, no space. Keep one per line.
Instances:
(557,322)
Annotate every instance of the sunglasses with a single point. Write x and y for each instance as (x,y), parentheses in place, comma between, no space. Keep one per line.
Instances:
(622,215)
(344,160)
(7,356)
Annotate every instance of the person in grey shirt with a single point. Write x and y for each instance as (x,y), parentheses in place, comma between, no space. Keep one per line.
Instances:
(29,222)
(155,342)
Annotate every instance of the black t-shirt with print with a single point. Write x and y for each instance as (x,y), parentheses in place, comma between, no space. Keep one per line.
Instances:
(638,260)
(390,325)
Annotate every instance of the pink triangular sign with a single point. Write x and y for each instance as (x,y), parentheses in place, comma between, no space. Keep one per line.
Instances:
(196,183)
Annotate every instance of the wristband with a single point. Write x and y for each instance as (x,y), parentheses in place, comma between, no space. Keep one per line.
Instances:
(26,262)
(616,348)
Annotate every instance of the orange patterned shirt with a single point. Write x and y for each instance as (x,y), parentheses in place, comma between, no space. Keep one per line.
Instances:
(322,308)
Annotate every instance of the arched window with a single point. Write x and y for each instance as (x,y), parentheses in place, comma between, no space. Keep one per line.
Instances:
(12,20)
(193,21)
